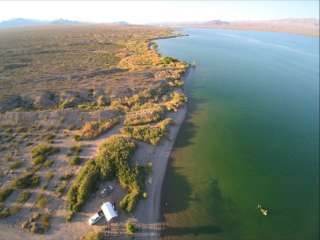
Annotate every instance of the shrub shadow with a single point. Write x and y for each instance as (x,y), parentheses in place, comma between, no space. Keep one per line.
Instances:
(173,202)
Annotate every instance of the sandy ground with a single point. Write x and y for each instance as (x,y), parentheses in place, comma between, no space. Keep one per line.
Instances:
(147,215)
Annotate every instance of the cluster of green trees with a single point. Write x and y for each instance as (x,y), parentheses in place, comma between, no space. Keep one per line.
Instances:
(111,162)
(91,130)
(148,133)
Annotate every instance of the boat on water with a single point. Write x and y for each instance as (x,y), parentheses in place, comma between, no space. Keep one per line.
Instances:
(264,211)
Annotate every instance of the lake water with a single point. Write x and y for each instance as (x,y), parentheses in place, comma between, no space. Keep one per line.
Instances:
(251,137)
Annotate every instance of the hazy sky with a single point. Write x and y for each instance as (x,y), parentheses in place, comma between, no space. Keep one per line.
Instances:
(158,11)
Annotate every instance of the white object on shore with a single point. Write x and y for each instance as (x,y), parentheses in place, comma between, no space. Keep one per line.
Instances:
(109,211)
(95,218)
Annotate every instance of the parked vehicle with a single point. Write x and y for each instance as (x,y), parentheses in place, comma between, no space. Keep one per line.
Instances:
(96,218)
(107,190)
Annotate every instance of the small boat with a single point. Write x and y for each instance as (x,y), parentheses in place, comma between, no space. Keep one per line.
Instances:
(263,211)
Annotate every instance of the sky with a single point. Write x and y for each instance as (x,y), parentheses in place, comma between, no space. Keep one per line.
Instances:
(141,12)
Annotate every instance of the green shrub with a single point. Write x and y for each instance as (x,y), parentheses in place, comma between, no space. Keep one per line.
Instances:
(15,165)
(69,216)
(4,213)
(112,155)
(38,160)
(93,129)
(144,116)
(42,201)
(40,153)
(49,138)
(76,149)
(23,197)
(66,177)
(37,223)
(27,180)
(176,101)
(49,176)
(94,235)
(168,60)
(148,133)
(130,228)
(74,160)
(129,201)
(82,186)
(48,163)
(61,188)
(5,193)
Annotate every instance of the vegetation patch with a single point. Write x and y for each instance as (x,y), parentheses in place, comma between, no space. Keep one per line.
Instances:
(144,116)
(148,133)
(130,228)
(168,60)
(40,153)
(74,160)
(176,101)
(5,192)
(37,223)
(15,165)
(94,235)
(94,129)
(111,162)
(23,197)
(27,180)
(42,201)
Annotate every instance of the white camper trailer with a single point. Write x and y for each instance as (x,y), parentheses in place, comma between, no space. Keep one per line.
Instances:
(109,211)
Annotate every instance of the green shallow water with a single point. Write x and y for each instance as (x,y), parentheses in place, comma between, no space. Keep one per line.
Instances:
(251,136)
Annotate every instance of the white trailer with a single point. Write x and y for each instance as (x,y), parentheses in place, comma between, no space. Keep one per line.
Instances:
(109,211)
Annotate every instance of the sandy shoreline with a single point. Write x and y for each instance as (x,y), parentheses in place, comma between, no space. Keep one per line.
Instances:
(148,211)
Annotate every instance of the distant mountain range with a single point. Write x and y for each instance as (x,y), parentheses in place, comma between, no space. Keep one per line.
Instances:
(297,26)
(22,22)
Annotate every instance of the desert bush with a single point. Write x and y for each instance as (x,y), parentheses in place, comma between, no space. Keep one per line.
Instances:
(5,192)
(15,165)
(74,160)
(49,137)
(40,153)
(37,223)
(41,201)
(93,129)
(114,151)
(176,101)
(48,163)
(23,197)
(130,228)
(49,176)
(94,235)
(76,149)
(4,213)
(112,157)
(66,177)
(144,116)
(61,188)
(27,180)
(82,186)
(168,60)
(148,133)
